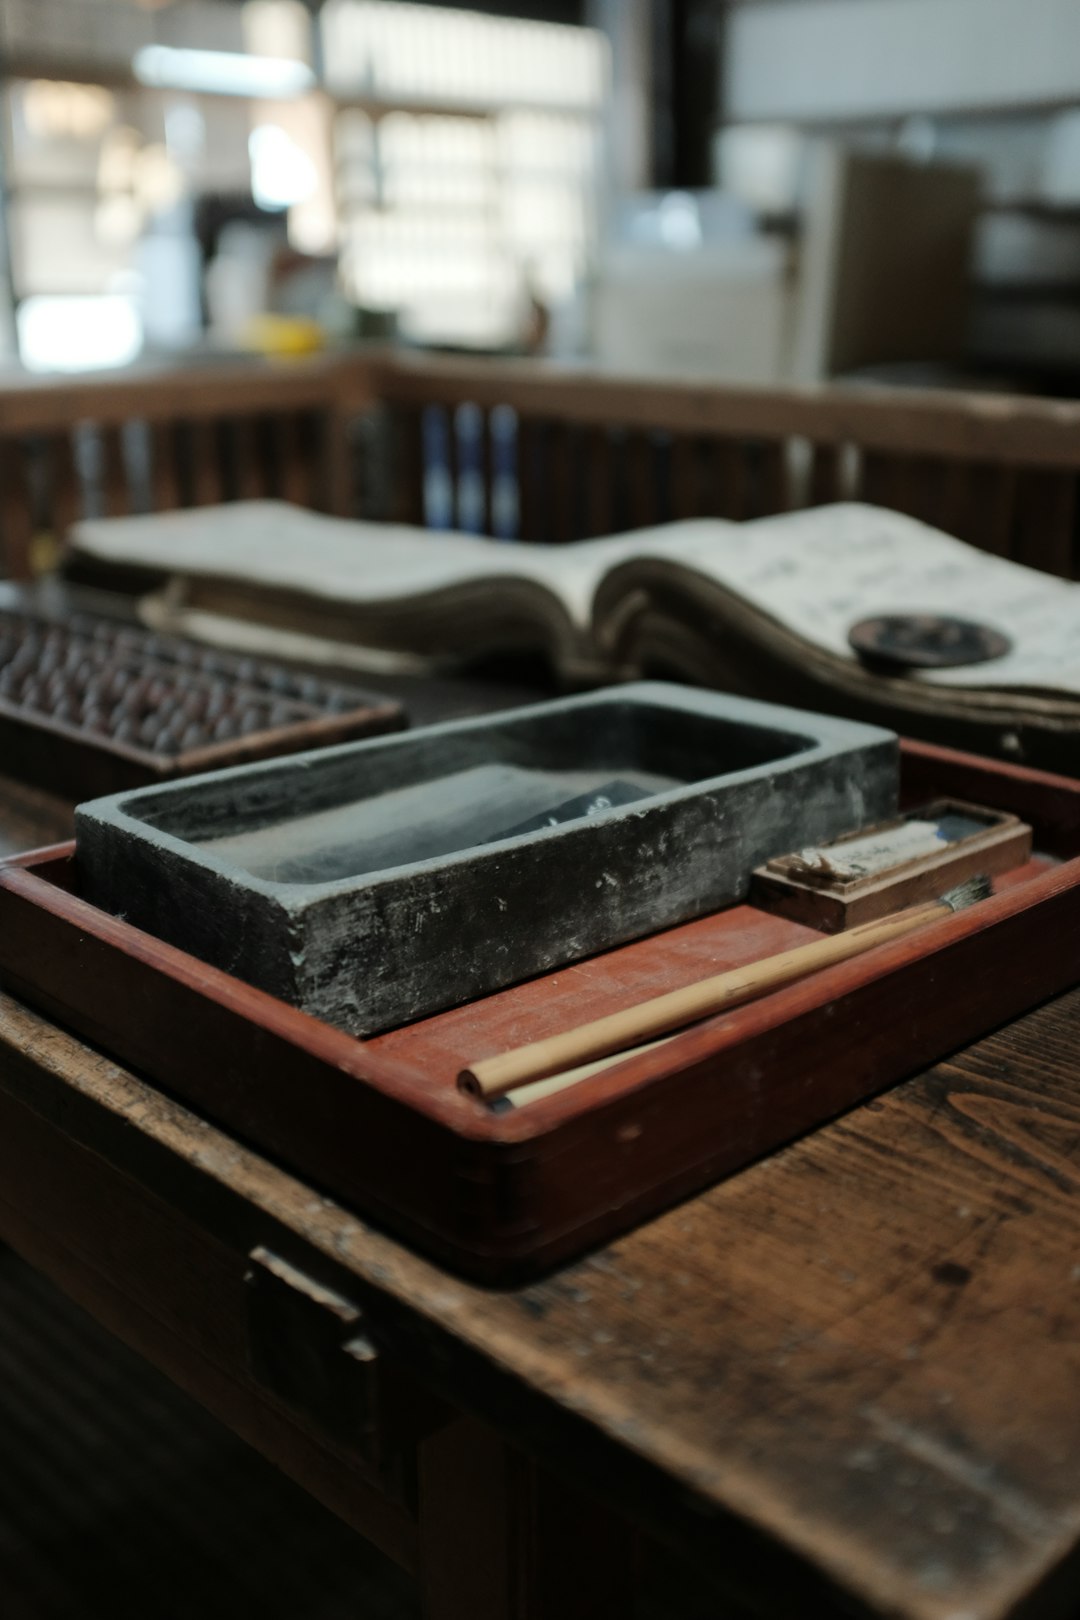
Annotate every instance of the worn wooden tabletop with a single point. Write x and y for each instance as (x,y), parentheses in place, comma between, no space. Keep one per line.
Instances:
(850,1375)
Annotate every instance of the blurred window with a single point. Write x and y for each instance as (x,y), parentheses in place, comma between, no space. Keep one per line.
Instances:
(80,178)
(78,333)
(453,165)
(467,168)
(393,50)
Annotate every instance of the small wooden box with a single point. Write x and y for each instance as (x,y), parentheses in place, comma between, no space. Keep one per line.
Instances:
(832,901)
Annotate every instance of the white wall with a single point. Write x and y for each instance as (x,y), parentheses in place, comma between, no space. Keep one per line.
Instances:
(843,59)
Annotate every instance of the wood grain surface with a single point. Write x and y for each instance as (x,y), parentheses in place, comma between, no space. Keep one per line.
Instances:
(849,1373)
(844,1381)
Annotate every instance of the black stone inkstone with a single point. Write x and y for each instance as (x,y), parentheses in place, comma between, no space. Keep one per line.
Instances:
(379,882)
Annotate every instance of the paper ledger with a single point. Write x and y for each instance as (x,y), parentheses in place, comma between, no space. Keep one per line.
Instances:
(760,606)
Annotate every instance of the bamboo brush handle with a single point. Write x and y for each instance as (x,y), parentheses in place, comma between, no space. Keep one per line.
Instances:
(493,1077)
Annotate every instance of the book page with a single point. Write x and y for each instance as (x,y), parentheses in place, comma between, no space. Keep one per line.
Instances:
(816,572)
(273,544)
(820,571)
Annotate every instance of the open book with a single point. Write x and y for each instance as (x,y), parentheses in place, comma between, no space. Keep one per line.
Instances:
(762,607)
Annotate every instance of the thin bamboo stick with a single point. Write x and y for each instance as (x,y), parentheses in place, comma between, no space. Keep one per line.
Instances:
(575,1048)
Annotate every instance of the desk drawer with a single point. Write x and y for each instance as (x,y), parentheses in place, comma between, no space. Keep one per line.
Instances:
(222,1316)
(309,1348)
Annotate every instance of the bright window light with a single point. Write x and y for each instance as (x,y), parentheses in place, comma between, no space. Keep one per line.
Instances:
(223,73)
(55,110)
(282,174)
(449,220)
(78,333)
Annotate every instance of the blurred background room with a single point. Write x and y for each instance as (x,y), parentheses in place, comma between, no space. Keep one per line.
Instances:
(754,192)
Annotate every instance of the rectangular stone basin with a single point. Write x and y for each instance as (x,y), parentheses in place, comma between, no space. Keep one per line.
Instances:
(377,882)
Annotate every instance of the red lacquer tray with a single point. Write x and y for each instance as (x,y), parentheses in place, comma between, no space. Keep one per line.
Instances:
(380,1123)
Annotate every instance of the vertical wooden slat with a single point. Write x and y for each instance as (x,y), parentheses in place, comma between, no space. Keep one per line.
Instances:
(1046,522)
(825,475)
(973,501)
(116,494)
(339,498)
(16,520)
(903,483)
(916,487)
(770,480)
(927,500)
(472,469)
(165,477)
(993,501)
(251,482)
(434,469)
(314,442)
(579,453)
(207,487)
(293,473)
(728,468)
(882,479)
(641,480)
(875,483)
(407,503)
(502,464)
(453,466)
(561,474)
(685,477)
(598,461)
(65,505)
(487,465)
(620,505)
(953,499)
(532,483)
(312,445)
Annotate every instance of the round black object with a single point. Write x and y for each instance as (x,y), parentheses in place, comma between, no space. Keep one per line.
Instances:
(896,641)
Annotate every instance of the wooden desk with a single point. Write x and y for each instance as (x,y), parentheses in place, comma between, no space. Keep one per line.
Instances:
(846,1380)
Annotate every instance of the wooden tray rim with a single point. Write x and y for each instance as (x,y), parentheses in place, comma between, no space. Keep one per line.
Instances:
(500,1196)
(467,1118)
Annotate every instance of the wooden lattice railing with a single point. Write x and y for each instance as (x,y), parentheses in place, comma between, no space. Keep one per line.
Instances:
(524,448)
(165,439)
(599,453)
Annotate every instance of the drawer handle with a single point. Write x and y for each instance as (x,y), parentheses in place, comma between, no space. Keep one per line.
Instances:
(307,1347)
